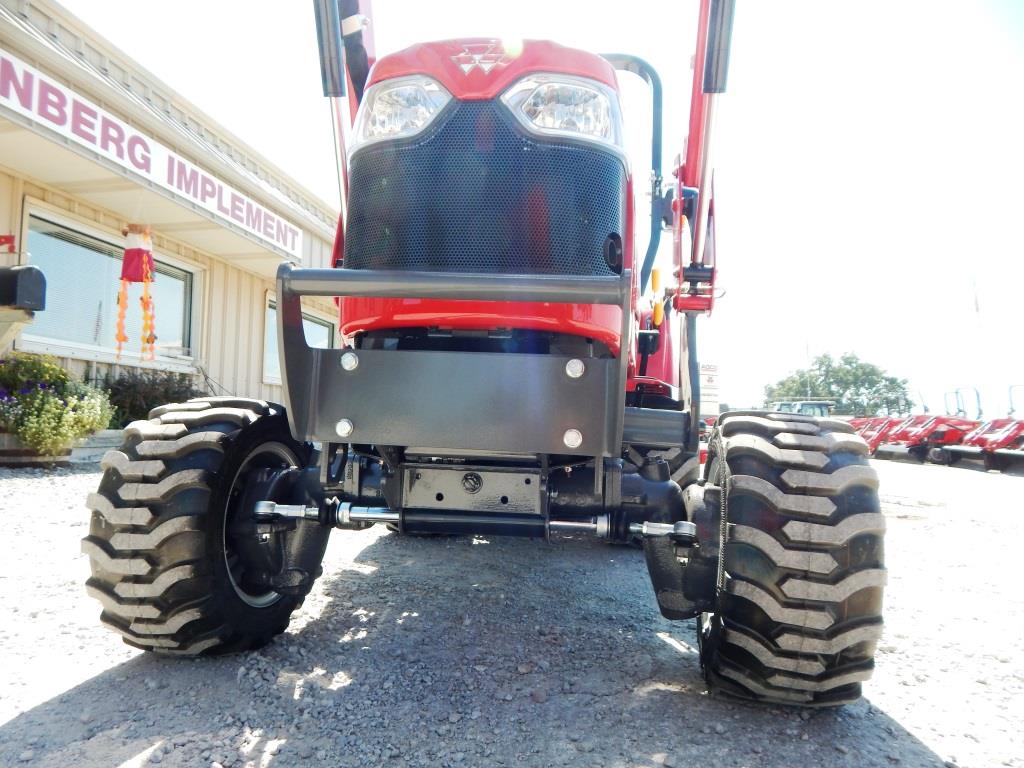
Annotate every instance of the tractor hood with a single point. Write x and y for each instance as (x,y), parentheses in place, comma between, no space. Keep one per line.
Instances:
(473,69)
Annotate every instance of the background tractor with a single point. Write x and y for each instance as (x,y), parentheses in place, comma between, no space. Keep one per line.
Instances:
(512,365)
(814,406)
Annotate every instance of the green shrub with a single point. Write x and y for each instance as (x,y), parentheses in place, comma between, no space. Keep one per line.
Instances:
(20,369)
(45,407)
(135,393)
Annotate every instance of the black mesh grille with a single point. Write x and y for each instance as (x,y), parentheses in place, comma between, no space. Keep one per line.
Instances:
(478,196)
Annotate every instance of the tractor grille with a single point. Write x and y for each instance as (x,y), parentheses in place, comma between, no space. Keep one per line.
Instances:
(477,195)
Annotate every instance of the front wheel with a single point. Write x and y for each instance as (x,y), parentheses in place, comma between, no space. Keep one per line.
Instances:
(798,609)
(994,463)
(167,544)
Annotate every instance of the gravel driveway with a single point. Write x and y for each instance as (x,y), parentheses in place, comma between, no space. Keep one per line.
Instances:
(468,652)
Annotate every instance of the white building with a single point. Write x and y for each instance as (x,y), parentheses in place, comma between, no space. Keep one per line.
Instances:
(90,141)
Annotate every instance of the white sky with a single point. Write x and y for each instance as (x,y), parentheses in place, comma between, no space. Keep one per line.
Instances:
(869,154)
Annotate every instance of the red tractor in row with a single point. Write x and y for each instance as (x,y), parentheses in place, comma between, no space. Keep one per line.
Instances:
(875,429)
(998,443)
(916,437)
(511,364)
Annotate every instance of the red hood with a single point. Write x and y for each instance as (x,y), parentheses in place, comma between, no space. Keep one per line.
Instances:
(481,68)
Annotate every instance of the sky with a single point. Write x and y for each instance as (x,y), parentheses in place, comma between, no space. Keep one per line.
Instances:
(868,158)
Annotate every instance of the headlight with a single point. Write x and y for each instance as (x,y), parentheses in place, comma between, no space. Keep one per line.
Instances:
(395,109)
(566,106)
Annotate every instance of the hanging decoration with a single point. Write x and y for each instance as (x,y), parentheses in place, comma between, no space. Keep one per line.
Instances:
(137,267)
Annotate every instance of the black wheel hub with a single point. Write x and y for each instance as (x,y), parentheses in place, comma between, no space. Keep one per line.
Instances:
(254,550)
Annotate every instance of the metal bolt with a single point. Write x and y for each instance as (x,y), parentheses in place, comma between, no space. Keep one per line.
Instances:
(344,428)
(572,438)
(472,482)
(575,368)
(350,361)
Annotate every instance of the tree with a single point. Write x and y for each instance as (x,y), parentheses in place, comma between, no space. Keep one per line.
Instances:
(858,388)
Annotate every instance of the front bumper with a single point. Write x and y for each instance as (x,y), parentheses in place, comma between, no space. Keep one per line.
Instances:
(963,450)
(894,451)
(448,402)
(1017,454)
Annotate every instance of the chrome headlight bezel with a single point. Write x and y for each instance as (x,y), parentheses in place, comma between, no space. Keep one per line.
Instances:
(601,101)
(433,98)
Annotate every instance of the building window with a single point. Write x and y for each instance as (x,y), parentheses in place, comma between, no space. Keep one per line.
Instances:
(319,333)
(83,276)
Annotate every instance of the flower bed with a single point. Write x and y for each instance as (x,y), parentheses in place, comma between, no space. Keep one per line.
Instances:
(44,411)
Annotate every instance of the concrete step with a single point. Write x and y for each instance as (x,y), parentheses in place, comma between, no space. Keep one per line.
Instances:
(13,453)
(91,450)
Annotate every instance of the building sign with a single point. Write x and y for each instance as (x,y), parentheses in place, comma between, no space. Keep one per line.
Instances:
(28,92)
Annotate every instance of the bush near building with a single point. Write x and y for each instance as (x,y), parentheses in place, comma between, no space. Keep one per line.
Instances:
(45,407)
(135,393)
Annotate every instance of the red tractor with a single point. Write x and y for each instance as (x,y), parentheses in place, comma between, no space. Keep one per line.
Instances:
(924,436)
(918,436)
(877,429)
(511,366)
(999,443)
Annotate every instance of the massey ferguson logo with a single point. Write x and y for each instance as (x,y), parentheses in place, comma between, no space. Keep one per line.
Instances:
(486,56)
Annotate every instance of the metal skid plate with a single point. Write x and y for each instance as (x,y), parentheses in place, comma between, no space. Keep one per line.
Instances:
(472,489)
(454,400)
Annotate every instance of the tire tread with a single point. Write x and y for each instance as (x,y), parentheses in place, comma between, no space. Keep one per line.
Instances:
(799,611)
(147,542)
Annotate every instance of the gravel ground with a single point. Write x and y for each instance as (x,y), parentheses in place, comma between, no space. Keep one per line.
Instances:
(466,652)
